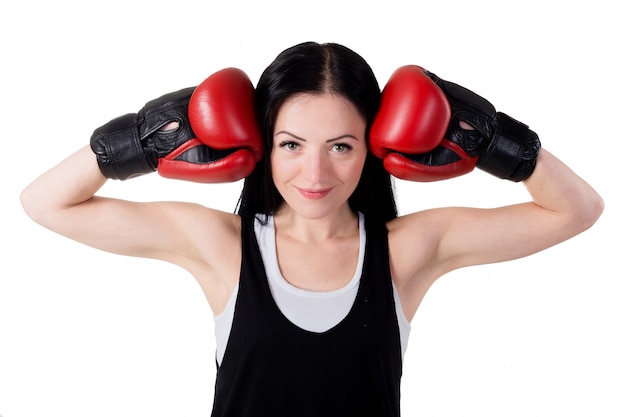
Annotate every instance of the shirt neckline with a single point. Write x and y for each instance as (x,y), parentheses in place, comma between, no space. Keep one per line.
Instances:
(273,270)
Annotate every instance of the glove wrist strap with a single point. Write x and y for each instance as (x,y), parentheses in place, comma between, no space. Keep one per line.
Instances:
(512,152)
(119,150)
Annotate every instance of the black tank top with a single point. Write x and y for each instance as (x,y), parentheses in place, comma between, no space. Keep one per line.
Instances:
(271,367)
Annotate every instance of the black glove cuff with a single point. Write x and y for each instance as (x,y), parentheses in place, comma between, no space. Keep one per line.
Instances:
(512,152)
(119,151)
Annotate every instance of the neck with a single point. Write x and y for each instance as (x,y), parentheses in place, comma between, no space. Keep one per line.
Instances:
(342,224)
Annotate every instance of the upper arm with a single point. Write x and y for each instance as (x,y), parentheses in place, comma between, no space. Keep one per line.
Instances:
(438,241)
(204,241)
(425,246)
(428,244)
(180,233)
(63,199)
(160,230)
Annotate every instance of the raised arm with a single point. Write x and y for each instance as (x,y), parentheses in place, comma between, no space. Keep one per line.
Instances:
(562,205)
(428,244)
(159,137)
(63,200)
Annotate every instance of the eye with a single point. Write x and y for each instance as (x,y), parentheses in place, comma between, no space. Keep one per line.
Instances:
(342,147)
(290,146)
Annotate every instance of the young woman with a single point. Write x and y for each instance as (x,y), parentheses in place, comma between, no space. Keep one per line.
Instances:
(314,281)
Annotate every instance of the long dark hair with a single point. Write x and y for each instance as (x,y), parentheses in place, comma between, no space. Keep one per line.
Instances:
(318,68)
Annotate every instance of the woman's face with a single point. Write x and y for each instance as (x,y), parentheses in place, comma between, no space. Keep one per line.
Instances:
(318,152)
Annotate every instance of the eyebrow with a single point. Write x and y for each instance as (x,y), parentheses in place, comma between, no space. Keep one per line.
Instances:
(346,136)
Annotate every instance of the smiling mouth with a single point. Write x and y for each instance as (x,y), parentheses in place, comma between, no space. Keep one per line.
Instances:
(314,194)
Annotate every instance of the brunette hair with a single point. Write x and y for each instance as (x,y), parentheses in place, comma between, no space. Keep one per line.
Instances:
(318,68)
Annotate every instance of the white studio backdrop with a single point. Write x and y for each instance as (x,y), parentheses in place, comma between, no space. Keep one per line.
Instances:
(86,333)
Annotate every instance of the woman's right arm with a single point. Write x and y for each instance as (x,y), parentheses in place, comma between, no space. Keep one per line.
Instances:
(63,200)
(199,239)
(223,146)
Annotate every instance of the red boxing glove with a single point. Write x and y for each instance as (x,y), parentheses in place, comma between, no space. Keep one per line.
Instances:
(429,129)
(216,139)
(408,131)
(228,141)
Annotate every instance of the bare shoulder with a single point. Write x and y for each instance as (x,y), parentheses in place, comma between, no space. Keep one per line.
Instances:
(205,242)
(209,248)
(419,251)
(412,257)
(414,243)
(207,235)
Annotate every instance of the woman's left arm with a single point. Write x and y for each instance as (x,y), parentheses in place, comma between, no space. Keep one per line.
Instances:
(563,205)
(426,245)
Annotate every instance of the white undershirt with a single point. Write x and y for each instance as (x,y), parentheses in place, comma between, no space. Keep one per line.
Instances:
(314,311)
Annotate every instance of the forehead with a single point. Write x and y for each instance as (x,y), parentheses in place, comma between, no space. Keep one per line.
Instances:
(307,111)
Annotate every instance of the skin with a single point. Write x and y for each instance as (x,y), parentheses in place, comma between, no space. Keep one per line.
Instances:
(319,149)
(318,153)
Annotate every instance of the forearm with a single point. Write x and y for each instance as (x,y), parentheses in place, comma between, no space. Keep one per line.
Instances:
(555,188)
(73,181)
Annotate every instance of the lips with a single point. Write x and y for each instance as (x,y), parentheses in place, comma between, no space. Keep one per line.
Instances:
(314,194)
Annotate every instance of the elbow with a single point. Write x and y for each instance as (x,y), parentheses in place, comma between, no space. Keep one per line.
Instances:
(35,206)
(30,205)
(590,210)
(595,210)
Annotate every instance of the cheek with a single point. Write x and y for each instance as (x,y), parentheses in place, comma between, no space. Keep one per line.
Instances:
(280,168)
(352,170)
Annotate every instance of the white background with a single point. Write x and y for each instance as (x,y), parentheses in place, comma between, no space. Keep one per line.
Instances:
(84,333)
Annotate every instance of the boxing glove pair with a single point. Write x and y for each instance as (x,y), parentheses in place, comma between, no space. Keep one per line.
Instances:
(418,132)
(203,134)
(429,129)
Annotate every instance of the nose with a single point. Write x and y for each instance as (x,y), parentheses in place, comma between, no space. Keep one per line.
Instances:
(315,166)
